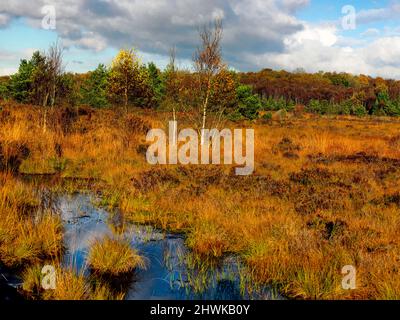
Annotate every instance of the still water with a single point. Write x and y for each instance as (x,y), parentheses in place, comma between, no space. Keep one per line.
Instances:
(169,274)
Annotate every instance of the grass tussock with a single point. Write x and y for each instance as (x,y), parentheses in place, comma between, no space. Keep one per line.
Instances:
(69,285)
(114,257)
(27,233)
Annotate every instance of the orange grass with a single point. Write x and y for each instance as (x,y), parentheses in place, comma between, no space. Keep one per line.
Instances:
(325,194)
(114,257)
(27,235)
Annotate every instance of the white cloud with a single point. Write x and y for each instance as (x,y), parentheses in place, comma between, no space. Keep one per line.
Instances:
(383,52)
(391,12)
(89,40)
(324,35)
(371,32)
(7,71)
(315,49)
(4,20)
(9,60)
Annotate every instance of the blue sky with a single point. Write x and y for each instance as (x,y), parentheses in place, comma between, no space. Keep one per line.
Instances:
(19,37)
(286,34)
(321,11)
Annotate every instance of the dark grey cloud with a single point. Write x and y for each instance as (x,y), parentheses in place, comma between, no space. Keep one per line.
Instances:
(250,26)
(102,8)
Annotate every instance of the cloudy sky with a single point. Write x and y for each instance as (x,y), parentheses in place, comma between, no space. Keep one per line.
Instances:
(287,34)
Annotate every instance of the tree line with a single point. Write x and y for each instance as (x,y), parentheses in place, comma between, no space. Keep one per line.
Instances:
(325,92)
(209,88)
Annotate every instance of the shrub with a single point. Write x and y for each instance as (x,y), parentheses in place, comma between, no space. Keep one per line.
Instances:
(345,107)
(359,110)
(248,103)
(274,104)
(234,115)
(267,116)
(393,108)
(384,106)
(318,106)
(3,89)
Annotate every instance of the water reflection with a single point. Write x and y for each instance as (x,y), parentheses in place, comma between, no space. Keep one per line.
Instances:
(173,271)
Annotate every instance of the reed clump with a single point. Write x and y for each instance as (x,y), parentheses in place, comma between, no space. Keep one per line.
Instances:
(114,257)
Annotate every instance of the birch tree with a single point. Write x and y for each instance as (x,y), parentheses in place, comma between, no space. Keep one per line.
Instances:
(208,63)
(53,70)
(172,87)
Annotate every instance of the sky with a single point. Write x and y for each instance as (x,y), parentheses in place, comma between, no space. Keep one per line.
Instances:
(359,36)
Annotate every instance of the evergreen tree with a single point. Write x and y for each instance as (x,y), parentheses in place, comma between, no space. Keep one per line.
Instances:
(4,90)
(39,79)
(248,103)
(156,82)
(21,82)
(94,89)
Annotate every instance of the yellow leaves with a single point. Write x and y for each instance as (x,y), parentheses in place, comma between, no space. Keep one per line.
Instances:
(224,88)
(128,77)
(125,60)
(381,85)
(364,80)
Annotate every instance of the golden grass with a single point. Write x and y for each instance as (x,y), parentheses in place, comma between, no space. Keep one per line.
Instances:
(114,257)
(27,235)
(69,285)
(296,222)
(32,281)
